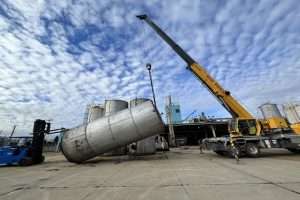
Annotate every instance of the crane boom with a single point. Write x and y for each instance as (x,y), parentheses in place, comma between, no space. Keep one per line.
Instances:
(223,96)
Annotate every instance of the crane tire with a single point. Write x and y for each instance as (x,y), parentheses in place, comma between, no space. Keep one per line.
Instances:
(252,150)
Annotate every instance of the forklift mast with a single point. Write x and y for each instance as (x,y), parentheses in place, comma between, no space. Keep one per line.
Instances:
(40,128)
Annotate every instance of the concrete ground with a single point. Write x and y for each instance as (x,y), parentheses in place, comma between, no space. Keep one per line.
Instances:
(179,174)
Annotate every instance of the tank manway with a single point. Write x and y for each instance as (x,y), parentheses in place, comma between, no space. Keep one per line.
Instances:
(107,133)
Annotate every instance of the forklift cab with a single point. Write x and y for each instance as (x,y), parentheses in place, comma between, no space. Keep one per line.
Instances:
(22,152)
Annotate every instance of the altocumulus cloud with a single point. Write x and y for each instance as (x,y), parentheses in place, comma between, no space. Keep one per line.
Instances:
(58,56)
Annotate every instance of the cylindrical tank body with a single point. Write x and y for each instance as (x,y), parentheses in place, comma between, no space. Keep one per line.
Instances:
(147,145)
(95,112)
(292,112)
(113,106)
(137,101)
(107,133)
(270,110)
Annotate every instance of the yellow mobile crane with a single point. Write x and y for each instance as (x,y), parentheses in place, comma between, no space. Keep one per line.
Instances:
(247,134)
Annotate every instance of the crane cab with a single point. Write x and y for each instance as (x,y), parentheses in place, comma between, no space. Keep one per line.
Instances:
(243,127)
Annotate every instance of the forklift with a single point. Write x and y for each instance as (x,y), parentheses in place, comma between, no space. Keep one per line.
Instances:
(25,151)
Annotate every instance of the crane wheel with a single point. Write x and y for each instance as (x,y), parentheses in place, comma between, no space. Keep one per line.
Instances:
(252,150)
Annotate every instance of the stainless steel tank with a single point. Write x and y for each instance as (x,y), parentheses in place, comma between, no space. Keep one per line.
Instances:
(113,106)
(292,113)
(95,112)
(147,145)
(107,133)
(137,101)
(270,110)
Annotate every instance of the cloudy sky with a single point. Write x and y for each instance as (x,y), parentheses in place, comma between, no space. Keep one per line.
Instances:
(58,56)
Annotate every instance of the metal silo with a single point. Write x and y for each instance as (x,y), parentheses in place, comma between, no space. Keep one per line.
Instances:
(107,133)
(95,112)
(113,106)
(270,110)
(145,146)
(292,112)
(137,101)
(297,108)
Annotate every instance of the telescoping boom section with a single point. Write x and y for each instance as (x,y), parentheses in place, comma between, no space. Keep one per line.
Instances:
(223,96)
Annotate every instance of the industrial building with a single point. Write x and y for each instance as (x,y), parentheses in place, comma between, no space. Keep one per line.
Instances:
(192,131)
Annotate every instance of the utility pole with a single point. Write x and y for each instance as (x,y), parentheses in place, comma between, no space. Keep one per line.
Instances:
(148,66)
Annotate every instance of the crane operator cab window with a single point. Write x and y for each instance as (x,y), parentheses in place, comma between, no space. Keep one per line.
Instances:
(244,127)
(247,126)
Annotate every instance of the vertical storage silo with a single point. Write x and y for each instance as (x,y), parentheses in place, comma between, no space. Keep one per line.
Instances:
(270,110)
(95,112)
(114,105)
(292,113)
(273,120)
(147,145)
(137,101)
(111,107)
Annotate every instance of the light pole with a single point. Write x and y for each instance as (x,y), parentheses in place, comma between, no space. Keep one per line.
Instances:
(148,66)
